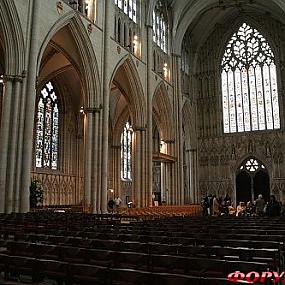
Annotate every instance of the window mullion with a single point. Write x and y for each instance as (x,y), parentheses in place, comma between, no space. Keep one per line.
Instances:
(256,100)
(51,135)
(44,132)
(229,109)
(263,95)
(271,97)
(235,99)
(242,105)
(249,99)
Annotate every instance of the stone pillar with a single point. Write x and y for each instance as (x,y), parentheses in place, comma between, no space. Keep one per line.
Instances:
(4,139)
(149,146)
(117,170)
(163,183)
(12,191)
(99,162)
(187,175)
(96,178)
(106,98)
(29,111)
(179,189)
(88,137)
(136,155)
(138,184)
(193,178)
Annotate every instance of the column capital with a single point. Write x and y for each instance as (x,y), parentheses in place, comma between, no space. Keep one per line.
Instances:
(191,150)
(168,141)
(93,110)
(13,78)
(139,129)
(116,146)
(176,55)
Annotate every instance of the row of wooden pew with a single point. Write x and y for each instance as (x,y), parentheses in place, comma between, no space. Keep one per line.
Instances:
(172,250)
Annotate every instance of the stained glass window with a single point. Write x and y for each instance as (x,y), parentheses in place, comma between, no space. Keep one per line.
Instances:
(126,152)
(47,128)
(159,26)
(249,83)
(129,7)
(252,165)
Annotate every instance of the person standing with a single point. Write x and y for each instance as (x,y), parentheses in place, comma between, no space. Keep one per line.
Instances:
(259,205)
(216,206)
(118,202)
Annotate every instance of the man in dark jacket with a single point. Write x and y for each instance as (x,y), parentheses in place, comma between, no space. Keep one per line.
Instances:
(273,207)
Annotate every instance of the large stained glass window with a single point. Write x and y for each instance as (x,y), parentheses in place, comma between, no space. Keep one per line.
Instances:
(126,152)
(159,26)
(47,128)
(249,83)
(129,7)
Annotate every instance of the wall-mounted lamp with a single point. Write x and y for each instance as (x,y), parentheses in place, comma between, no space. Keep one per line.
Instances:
(165,71)
(136,45)
(1,79)
(81,110)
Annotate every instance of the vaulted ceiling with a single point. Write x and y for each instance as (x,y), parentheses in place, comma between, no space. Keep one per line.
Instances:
(199,17)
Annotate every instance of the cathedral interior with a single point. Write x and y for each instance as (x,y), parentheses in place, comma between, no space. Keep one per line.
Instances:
(158,102)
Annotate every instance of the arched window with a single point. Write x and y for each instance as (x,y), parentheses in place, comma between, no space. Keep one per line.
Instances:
(126,152)
(249,83)
(159,26)
(129,7)
(252,165)
(47,128)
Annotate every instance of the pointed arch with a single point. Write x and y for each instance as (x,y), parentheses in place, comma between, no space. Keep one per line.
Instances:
(87,65)
(126,77)
(260,158)
(163,112)
(13,45)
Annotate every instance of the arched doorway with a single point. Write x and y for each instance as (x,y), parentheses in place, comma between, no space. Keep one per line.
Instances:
(243,186)
(252,179)
(261,184)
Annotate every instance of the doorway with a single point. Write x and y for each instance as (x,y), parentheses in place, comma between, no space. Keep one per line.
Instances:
(252,179)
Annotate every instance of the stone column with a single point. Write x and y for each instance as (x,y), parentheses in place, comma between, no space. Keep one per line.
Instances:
(88,137)
(139,166)
(187,175)
(163,171)
(149,150)
(106,98)
(137,191)
(117,170)
(29,111)
(195,176)
(95,189)
(12,191)
(176,69)
(4,138)
(192,170)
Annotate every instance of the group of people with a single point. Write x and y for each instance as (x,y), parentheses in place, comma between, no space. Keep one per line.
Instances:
(114,204)
(214,206)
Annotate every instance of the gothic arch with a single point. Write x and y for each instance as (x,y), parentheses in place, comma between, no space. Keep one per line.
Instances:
(254,24)
(119,126)
(13,45)
(126,72)
(163,112)
(260,158)
(87,64)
